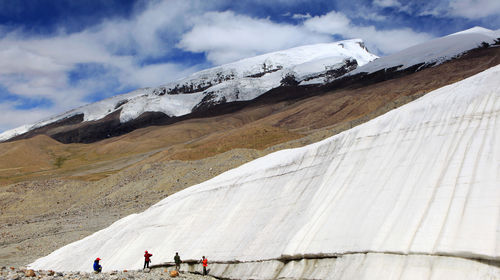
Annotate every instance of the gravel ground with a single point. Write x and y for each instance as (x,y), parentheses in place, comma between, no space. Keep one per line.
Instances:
(38,217)
(11,273)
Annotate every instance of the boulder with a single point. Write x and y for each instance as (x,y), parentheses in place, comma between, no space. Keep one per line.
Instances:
(30,273)
(13,277)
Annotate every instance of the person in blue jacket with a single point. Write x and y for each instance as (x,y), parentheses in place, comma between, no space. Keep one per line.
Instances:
(97,266)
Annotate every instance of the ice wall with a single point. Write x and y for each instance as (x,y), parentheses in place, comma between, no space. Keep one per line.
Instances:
(418,184)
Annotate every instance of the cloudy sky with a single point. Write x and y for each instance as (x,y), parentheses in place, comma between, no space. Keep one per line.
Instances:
(56,55)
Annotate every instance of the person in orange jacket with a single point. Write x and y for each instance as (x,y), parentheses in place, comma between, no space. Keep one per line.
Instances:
(204,261)
(147,259)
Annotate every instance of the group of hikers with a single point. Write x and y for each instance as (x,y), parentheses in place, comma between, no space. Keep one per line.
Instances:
(147,260)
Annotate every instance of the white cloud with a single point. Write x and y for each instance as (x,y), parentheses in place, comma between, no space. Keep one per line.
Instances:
(12,117)
(301,16)
(226,36)
(36,67)
(387,3)
(379,41)
(474,9)
(331,23)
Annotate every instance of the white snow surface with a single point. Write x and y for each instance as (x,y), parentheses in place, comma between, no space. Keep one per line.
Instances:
(230,82)
(419,183)
(435,51)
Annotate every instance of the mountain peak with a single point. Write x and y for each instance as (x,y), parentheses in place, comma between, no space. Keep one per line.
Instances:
(475,29)
(242,80)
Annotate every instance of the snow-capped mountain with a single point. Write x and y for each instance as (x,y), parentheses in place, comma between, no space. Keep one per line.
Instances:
(245,80)
(238,81)
(412,194)
(433,52)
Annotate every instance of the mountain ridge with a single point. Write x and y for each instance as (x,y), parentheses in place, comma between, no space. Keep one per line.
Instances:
(237,81)
(245,80)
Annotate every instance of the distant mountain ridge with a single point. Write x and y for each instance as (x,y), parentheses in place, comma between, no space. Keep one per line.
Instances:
(238,81)
(334,64)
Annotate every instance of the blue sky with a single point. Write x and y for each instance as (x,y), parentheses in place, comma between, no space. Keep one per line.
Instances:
(56,55)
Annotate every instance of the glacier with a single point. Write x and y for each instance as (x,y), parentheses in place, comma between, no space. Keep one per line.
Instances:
(412,194)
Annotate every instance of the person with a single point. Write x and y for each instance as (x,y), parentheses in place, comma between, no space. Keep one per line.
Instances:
(204,261)
(97,266)
(177,260)
(147,259)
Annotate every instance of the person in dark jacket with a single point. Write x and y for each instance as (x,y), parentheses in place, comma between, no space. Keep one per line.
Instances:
(177,260)
(97,266)
(147,259)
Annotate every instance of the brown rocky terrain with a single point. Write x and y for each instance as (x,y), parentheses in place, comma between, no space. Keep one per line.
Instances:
(13,273)
(53,193)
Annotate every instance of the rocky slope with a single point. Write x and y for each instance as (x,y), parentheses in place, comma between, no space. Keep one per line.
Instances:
(12,273)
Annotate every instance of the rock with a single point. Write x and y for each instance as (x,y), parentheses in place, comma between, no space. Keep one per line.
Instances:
(30,273)
(146,270)
(59,274)
(174,273)
(13,277)
(51,273)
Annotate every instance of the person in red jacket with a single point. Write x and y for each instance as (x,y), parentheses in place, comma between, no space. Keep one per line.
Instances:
(147,259)
(204,261)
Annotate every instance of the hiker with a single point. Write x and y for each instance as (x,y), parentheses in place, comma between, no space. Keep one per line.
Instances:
(177,260)
(204,261)
(147,259)
(97,266)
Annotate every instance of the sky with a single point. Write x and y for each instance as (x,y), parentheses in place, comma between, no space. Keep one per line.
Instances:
(56,55)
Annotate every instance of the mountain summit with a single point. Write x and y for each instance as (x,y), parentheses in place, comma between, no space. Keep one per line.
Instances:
(245,80)
(242,80)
